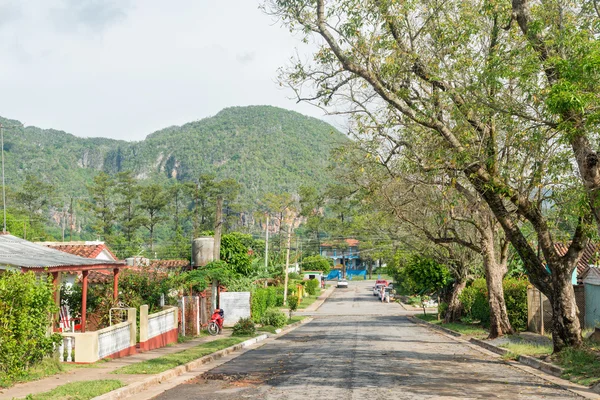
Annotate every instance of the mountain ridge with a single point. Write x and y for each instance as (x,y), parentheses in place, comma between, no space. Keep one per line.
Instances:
(266,148)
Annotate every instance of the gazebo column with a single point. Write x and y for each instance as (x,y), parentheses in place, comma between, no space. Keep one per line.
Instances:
(84,299)
(116,284)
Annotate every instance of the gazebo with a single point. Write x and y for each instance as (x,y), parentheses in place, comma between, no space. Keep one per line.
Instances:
(17,253)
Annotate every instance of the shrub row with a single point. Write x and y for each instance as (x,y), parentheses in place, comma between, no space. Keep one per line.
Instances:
(26,304)
(475,303)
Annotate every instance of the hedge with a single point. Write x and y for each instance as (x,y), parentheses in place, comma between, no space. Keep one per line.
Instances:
(263,299)
(475,304)
(26,304)
(312,286)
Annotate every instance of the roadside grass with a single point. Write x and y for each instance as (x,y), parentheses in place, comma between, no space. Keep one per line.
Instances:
(184,339)
(307,301)
(473,330)
(169,361)
(82,390)
(271,329)
(267,328)
(581,365)
(47,367)
(525,349)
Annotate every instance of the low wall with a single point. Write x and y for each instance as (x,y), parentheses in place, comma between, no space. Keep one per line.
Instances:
(235,305)
(112,342)
(158,329)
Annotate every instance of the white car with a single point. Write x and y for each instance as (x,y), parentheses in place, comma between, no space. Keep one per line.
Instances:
(377,289)
(342,283)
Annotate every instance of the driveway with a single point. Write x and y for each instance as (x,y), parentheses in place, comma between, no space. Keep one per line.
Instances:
(360,348)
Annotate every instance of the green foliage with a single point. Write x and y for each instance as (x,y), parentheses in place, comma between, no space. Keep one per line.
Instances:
(262,300)
(442,308)
(316,263)
(274,317)
(234,251)
(515,297)
(25,306)
(244,327)
(311,286)
(476,307)
(428,275)
(78,390)
(292,303)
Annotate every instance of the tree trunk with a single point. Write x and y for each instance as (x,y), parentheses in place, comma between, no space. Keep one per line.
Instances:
(499,323)
(566,330)
(494,273)
(454,307)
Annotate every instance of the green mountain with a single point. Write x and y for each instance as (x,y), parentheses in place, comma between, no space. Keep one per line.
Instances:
(267,149)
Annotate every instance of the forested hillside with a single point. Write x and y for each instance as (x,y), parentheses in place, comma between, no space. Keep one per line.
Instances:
(266,149)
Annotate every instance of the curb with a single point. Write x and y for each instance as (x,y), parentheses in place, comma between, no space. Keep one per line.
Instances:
(527,360)
(138,387)
(418,321)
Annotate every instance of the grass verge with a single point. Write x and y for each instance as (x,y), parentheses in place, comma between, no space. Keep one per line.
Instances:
(47,367)
(82,390)
(169,361)
(525,349)
(580,365)
(473,330)
(271,329)
(307,301)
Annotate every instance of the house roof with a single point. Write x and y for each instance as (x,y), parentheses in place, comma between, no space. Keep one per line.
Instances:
(590,255)
(350,242)
(18,252)
(81,249)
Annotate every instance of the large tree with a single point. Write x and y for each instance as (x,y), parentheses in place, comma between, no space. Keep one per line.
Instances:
(101,204)
(447,73)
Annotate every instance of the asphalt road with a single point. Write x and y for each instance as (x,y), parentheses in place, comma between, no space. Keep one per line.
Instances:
(359,348)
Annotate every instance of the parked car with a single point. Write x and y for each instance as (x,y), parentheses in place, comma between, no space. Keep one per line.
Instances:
(377,289)
(342,283)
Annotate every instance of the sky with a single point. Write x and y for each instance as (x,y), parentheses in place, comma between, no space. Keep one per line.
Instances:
(126,68)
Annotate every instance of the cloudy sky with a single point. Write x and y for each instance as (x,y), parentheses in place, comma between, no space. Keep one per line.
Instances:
(125,68)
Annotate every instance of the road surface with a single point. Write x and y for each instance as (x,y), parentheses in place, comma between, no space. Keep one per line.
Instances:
(359,348)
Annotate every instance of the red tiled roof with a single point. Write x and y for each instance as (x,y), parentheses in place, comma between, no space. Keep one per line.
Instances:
(82,250)
(350,242)
(166,264)
(590,255)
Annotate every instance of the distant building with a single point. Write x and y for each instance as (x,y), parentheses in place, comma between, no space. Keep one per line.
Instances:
(346,253)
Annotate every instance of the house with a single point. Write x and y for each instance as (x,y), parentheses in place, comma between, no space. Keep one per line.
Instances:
(20,254)
(346,253)
(94,250)
(590,257)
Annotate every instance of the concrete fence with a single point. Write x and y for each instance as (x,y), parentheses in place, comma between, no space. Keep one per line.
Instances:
(158,329)
(112,342)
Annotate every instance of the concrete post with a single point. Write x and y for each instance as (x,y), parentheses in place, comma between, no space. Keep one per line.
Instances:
(132,317)
(144,323)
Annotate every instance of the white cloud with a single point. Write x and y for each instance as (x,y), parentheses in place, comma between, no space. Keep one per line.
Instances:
(125,68)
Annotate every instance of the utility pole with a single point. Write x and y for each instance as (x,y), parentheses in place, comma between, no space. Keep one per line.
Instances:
(3,182)
(287,263)
(218,226)
(297,259)
(267,244)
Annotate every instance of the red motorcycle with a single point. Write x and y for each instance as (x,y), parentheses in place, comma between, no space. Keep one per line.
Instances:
(215,326)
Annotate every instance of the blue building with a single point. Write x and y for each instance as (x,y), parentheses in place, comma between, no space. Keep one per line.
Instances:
(347,253)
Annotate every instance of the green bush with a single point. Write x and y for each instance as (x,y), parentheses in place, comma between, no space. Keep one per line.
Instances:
(312,286)
(244,327)
(292,304)
(316,263)
(442,308)
(263,299)
(274,317)
(476,307)
(26,304)
(515,296)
